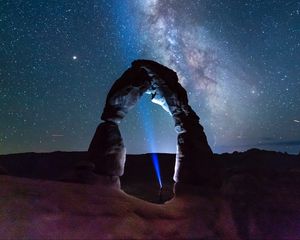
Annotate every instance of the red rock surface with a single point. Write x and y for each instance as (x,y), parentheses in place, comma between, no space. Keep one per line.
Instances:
(41,209)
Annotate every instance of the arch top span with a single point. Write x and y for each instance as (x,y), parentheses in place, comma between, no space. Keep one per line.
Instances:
(146,76)
(194,159)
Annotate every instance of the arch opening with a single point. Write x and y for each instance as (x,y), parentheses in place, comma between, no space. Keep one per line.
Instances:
(194,158)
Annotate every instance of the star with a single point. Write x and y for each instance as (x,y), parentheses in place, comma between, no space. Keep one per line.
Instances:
(238,65)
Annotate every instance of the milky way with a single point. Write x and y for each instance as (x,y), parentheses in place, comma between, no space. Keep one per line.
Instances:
(225,89)
(238,60)
(201,64)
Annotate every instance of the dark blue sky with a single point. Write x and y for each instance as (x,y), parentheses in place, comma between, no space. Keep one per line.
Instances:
(238,60)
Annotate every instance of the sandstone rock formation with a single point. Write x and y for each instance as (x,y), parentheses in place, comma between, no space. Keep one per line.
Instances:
(194,159)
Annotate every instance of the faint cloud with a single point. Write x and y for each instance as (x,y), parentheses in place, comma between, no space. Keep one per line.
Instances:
(57,135)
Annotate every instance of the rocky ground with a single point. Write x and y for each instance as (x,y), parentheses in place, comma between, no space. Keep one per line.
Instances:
(253,203)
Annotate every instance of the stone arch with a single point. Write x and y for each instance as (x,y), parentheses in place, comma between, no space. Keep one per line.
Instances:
(194,158)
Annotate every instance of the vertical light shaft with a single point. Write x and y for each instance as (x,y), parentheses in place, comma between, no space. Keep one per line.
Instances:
(156,167)
(149,131)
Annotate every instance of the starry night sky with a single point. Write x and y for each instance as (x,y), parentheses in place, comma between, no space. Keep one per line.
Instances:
(238,60)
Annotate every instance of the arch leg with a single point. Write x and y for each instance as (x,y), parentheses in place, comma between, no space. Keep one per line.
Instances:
(195,164)
(107,150)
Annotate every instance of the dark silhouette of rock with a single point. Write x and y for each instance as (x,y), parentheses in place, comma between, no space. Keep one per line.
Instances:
(194,161)
(277,171)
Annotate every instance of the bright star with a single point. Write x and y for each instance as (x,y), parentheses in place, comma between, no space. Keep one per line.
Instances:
(74,57)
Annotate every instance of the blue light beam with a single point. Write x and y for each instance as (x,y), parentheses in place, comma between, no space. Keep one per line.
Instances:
(148,128)
(125,18)
(156,167)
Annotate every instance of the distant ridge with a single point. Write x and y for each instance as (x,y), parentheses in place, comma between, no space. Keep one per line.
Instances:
(51,165)
(139,178)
